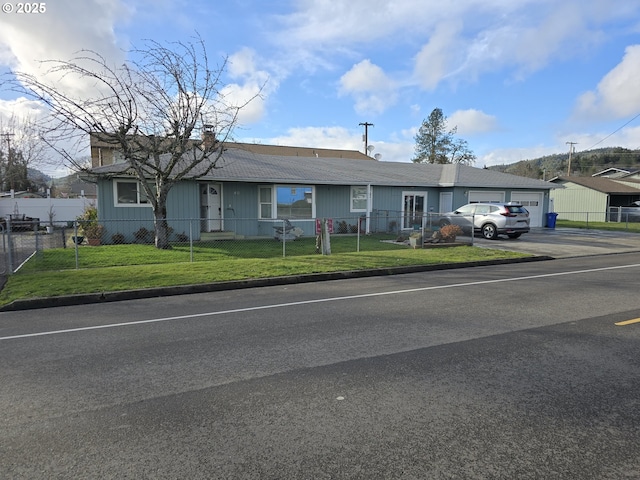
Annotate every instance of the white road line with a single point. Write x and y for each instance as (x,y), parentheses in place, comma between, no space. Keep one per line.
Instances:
(309,302)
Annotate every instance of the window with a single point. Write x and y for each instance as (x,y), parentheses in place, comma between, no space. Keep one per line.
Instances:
(294,201)
(266,202)
(483,210)
(129,193)
(286,201)
(359,198)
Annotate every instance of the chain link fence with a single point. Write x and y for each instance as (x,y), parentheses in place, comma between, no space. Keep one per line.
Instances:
(620,216)
(72,244)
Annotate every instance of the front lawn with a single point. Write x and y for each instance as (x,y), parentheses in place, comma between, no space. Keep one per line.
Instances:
(124,267)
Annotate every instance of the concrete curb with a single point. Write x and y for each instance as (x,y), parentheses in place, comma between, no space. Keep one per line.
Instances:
(103,297)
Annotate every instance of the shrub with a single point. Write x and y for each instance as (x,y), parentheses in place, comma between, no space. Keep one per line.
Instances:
(449,232)
(142,235)
(117,238)
(88,222)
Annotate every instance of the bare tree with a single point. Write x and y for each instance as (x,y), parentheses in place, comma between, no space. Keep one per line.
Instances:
(148,108)
(20,149)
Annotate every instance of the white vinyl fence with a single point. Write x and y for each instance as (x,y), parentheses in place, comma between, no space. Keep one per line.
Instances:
(48,210)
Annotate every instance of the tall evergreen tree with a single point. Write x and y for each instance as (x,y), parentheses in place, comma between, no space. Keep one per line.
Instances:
(436,144)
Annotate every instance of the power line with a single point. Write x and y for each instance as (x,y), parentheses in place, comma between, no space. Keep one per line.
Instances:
(616,131)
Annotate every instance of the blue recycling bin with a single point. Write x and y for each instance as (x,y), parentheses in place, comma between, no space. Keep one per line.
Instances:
(551,219)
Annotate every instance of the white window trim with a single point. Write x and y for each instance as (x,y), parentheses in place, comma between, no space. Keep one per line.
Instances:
(260,202)
(138,204)
(351,198)
(422,193)
(274,201)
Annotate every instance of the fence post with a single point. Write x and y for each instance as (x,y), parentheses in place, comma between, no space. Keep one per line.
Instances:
(10,246)
(75,242)
(37,237)
(191,240)
(284,239)
(473,228)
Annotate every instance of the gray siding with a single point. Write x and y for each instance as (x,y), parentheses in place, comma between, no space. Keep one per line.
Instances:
(239,205)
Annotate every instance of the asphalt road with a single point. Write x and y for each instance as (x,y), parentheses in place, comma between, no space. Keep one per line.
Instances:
(506,371)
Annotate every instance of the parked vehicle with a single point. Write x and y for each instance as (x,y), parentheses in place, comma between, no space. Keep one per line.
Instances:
(629,213)
(20,222)
(490,219)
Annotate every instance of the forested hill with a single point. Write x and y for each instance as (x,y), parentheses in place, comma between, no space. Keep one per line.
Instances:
(582,163)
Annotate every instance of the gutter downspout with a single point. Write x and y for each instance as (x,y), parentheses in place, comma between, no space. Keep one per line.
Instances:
(369,205)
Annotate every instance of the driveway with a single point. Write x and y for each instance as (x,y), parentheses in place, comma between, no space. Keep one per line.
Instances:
(567,242)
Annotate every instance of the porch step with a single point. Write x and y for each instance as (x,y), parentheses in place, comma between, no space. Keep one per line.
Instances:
(208,236)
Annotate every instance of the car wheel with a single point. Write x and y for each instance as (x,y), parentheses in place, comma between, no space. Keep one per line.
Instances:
(514,235)
(489,231)
(444,223)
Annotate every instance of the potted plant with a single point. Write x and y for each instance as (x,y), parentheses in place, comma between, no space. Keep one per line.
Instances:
(89,226)
(415,239)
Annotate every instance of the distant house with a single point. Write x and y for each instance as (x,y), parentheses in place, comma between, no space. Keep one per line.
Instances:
(105,152)
(252,189)
(618,173)
(593,196)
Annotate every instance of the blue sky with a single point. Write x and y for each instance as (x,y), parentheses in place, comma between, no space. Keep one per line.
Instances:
(519,78)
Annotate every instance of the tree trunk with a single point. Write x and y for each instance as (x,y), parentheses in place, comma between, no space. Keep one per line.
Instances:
(160,220)
(162,232)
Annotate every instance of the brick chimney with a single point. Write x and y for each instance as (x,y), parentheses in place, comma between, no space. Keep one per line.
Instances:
(208,137)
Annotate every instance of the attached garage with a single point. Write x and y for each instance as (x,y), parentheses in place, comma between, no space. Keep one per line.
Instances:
(532,201)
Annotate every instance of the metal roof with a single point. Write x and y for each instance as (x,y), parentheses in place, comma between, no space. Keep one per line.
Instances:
(601,184)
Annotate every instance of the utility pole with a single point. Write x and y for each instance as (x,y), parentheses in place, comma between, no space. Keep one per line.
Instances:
(571,144)
(366,126)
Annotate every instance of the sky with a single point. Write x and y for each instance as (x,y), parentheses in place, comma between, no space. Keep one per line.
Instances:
(519,79)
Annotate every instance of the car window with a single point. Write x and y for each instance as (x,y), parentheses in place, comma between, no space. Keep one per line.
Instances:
(483,209)
(466,209)
(516,209)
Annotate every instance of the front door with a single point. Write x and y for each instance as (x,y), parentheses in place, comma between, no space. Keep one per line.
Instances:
(446,202)
(210,207)
(413,209)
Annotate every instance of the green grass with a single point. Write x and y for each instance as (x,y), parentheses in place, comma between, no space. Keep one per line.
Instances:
(612,226)
(124,267)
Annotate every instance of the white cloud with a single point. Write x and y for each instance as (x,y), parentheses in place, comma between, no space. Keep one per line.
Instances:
(472,121)
(251,89)
(507,156)
(627,138)
(450,40)
(321,137)
(27,40)
(371,88)
(21,108)
(617,95)
(341,138)
(436,59)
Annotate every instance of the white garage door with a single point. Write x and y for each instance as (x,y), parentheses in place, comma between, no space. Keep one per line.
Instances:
(483,196)
(532,201)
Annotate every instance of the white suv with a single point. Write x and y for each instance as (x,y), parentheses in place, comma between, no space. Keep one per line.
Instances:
(490,219)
